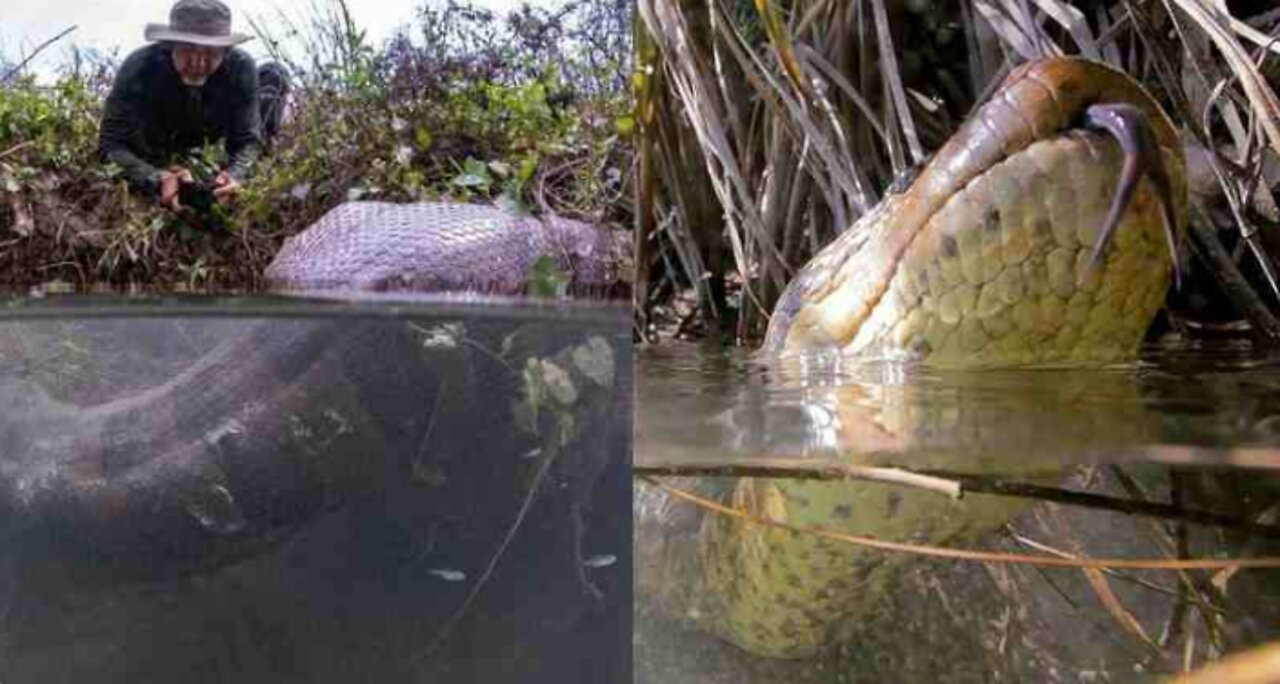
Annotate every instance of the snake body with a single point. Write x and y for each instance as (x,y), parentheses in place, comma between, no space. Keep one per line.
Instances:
(985,260)
(439,246)
(256,437)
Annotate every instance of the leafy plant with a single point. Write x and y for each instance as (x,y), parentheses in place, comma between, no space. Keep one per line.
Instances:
(467,106)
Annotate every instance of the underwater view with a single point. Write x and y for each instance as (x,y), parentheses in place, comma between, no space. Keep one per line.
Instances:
(383,488)
(823,520)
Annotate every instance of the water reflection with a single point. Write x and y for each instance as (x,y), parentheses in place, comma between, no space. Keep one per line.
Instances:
(1172,457)
(724,406)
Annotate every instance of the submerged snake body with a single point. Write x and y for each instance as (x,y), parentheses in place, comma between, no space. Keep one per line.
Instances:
(257,437)
(982,261)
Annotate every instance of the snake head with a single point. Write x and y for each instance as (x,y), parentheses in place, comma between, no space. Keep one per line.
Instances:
(1011,197)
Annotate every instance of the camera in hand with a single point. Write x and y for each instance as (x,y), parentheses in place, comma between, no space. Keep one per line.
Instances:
(197,195)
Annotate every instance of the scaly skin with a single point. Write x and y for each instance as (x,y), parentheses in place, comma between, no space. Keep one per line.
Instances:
(986,259)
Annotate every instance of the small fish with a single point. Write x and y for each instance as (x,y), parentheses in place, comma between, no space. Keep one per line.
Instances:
(443,336)
(448,575)
(601,561)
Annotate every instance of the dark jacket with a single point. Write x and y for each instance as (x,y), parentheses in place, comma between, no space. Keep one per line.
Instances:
(151,116)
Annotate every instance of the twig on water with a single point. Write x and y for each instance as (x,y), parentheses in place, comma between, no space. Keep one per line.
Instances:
(827,469)
(808,469)
(967,554)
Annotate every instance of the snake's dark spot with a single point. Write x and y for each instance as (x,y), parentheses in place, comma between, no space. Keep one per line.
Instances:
(844,511)
(894,502)
(991,220)
(949,246)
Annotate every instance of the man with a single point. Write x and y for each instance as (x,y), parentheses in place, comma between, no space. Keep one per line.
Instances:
(189,87)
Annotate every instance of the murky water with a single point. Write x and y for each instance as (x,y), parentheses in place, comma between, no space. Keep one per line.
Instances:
(252,490)
(1173,456)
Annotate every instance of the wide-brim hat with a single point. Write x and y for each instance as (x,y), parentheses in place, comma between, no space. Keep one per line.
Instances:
(200,22)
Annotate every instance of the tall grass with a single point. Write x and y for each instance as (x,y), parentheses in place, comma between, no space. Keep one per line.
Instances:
(795,116)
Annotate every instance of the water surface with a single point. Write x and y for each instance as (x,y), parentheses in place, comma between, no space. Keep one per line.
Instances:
(1174,455)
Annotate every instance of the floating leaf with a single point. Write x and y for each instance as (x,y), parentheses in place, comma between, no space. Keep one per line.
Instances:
(595,360)
(559,383)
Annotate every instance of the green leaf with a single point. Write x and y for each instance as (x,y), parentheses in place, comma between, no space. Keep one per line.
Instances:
(422,136)
(503,169)
(474,175)
(527,167)
(546,279)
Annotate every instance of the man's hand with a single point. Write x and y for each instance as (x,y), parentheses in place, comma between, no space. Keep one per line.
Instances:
(170,182)
(225,187)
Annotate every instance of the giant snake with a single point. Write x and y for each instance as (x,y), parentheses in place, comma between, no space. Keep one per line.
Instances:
(288,418)
(1041,232)
(1045,232)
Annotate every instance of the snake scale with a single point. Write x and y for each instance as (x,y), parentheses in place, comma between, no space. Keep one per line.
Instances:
(440,246)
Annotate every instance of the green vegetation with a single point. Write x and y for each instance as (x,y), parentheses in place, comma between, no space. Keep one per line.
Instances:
(529,110)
